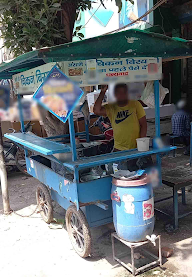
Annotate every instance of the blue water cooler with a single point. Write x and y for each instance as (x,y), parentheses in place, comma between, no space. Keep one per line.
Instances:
(133,208)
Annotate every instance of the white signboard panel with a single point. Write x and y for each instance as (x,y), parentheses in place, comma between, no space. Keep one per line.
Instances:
(114,70)
(93,72)
(28,82)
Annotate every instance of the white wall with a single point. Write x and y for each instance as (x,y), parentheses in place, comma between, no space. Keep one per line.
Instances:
(5,54)
(165,111)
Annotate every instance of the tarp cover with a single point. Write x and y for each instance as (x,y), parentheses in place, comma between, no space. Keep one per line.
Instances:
(129,43)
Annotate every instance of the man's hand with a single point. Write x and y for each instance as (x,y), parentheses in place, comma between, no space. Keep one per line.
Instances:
(143,127)
(104,88)
(98,108)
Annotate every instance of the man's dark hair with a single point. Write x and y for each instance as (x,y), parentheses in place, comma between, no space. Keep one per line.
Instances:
(117,86)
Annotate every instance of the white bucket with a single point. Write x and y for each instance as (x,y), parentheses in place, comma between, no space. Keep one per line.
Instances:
(143,144)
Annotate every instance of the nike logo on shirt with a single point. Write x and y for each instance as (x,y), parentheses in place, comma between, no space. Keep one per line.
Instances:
(121,116)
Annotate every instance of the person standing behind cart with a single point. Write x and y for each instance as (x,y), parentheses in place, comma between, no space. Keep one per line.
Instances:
(128,119)
(181,128)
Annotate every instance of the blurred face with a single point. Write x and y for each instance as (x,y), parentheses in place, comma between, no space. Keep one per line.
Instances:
(121,95)
(181,104)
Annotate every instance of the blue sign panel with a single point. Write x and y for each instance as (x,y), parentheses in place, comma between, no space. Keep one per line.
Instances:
(58,94)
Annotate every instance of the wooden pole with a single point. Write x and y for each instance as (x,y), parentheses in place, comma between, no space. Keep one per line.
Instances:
(3,177)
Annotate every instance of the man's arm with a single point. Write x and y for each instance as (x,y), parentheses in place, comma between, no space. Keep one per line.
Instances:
(143,127)
(98,109)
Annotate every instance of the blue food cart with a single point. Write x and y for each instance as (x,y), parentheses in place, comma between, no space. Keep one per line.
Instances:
(87,202)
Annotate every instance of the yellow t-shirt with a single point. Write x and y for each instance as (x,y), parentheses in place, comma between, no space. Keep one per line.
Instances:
(125,123)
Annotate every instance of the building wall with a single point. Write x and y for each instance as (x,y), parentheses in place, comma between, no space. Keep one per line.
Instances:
(163,20)
(187,34)
(98,20)
(167,23)
(5,54)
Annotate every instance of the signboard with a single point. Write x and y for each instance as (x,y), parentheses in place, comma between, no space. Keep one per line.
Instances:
(76,71)
(29,81)
(93,72)
(108,70)
(58,94)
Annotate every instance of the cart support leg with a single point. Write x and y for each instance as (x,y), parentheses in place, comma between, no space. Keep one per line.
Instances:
(160,252)
(133,261)
(3,177)
(21,113)
(183,196)
(157,124)
(191,147)
(76,178)
(21,119)
(72,137)
(87,130)
(157,109)
(113,247)
(175,208)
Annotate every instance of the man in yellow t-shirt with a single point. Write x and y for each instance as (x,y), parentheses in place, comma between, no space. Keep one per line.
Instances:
(127,117)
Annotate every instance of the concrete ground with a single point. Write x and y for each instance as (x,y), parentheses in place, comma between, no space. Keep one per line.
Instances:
(31,248)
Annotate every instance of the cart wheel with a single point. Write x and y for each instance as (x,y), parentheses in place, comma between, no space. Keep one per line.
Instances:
(45,203)
(79,232)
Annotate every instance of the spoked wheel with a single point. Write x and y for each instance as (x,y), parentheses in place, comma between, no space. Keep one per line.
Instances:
(79,232)
(45,203)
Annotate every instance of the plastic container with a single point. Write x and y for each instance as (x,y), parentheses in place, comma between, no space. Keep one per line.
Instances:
(143,144)
(133,208)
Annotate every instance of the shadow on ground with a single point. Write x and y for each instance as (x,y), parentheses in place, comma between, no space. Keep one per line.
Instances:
(22,194)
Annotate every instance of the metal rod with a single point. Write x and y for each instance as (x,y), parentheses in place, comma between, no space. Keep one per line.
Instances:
(87,130)
(124,265)
(163,199)
(170,88)
(147,266)
(160,252)
(157,124)
(21,113)
(132,268)
(76,180)
(175,207)
(113,157)
(72,137)
(160,211)
(157,109)
(3,177)
(150,254)
(184,215)
(183,196)
(21,120)
(101,205)
(191,147)
(66,135)
(113,246)
(133,261)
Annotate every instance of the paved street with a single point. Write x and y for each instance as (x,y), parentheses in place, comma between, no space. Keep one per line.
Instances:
(30,248)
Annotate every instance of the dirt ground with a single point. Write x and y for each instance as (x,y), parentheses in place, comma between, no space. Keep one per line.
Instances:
(30,248)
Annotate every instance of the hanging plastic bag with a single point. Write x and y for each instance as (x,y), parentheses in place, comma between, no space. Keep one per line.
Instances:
(148,96)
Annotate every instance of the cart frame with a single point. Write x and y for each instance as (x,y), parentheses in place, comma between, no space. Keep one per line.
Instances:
(88,204)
